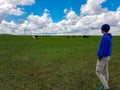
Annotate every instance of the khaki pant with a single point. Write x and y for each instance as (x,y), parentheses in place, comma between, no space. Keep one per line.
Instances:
(102,71)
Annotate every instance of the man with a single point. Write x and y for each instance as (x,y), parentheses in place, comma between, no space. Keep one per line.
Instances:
(104,53)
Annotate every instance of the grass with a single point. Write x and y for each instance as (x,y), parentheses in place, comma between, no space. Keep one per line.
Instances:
(53,63)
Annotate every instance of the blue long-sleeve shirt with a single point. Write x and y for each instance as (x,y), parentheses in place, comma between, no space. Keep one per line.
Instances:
(105,47)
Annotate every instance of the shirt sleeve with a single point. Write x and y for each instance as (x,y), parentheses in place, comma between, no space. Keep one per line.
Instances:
(102,48)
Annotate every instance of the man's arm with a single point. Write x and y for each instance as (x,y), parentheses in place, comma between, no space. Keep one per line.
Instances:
(102,48)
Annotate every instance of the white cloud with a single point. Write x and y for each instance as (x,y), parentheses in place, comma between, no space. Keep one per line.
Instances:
(19,2)
(93,7)
(4,9)
(10,7)
(65,10)
(8,27)
(37,23)
(16,11)
(71,15)
(93,16)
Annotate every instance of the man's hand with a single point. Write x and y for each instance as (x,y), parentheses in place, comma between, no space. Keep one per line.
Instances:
(99,59)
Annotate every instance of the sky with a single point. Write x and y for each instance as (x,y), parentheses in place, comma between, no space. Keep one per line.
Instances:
(63,17)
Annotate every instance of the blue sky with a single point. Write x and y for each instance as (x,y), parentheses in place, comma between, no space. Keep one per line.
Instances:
(79,12)
(56,8)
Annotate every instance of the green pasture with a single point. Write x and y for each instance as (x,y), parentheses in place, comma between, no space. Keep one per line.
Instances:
(54,63)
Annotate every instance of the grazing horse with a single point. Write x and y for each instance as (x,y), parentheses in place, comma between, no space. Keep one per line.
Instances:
(35,36)
(85,36)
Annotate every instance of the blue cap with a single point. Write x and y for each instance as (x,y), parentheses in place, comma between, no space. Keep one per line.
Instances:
(105,27)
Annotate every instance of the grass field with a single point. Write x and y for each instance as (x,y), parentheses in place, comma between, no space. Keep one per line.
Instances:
(54,63)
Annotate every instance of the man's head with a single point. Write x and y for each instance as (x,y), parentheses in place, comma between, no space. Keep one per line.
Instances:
(105,28)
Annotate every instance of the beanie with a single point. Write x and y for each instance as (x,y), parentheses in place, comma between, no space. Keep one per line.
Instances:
(105,27)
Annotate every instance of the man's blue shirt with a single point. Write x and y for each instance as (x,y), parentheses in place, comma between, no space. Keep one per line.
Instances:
(105,47)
